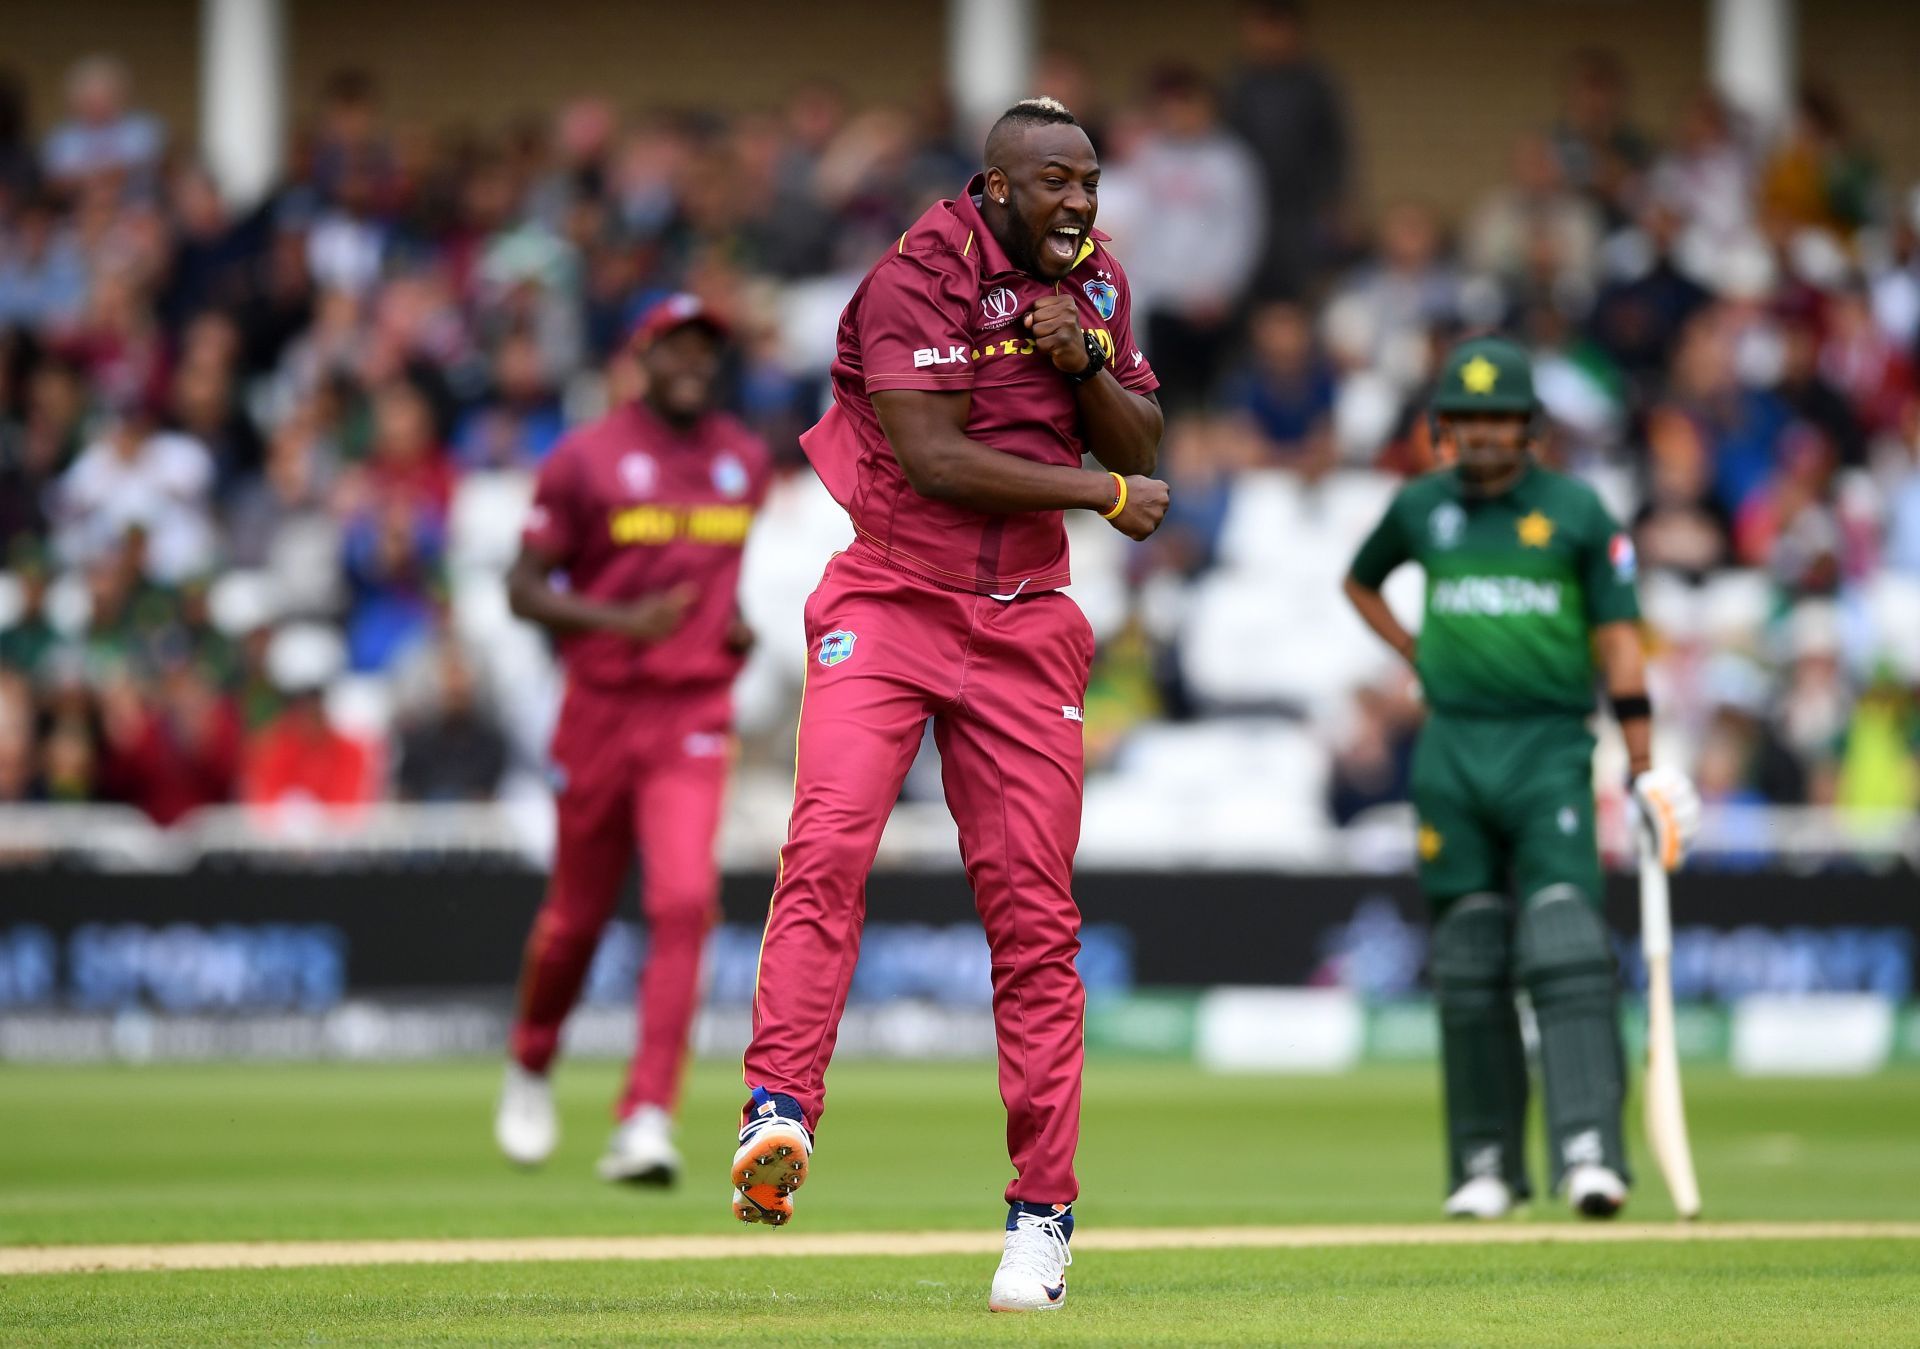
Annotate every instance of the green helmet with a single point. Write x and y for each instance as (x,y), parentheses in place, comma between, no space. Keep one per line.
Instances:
(1486,374)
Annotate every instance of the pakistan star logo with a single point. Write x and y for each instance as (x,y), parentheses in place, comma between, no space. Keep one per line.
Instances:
(1536,531)
(1479,375)
(1428,841)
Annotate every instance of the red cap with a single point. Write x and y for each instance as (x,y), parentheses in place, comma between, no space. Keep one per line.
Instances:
(673,313)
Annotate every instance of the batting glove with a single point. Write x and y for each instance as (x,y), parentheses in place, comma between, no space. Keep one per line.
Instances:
(1669,808)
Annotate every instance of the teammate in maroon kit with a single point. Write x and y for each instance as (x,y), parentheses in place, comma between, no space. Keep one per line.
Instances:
(644,513)
(977,362)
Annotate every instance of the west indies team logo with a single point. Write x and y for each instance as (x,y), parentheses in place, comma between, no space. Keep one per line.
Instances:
(835,647)
(1103,295)
(729,476)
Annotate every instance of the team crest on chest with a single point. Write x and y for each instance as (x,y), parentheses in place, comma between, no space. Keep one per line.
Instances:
(729,476)
(1104,297)
(1535,530)
(1446,524)
(639,475)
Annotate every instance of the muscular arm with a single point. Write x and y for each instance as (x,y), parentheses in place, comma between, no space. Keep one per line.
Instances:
(531,595)
(928,434)
(1623,663)
(1371,605)
(1122,428)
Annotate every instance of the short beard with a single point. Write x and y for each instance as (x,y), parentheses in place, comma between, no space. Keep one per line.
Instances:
(1023,253)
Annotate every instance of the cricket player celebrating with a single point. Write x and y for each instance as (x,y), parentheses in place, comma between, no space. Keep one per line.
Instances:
(977,362)
(631,558)
(1527,578)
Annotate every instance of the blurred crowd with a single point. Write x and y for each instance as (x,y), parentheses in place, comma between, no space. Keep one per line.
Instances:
(1725,321)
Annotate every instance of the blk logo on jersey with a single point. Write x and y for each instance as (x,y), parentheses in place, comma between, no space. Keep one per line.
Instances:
(1074,714)
(836,647)
(927,356)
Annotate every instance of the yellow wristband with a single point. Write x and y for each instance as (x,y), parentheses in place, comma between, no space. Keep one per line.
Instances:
(1120,502)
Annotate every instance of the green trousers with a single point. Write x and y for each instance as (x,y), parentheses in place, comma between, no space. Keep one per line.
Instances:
(1506,806)
(1510,866)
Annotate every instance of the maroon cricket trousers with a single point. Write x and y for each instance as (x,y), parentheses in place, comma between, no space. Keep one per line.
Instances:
(637,768)
(1003,681)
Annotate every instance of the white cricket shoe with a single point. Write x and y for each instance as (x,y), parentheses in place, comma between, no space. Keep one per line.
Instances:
(1595,1191)
(641,1150)
(1481,1197)
(525,1126)
(771,1161)
(1033,1269)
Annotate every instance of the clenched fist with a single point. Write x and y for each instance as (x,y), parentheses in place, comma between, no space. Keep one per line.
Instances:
(1146,507)
(1055,325)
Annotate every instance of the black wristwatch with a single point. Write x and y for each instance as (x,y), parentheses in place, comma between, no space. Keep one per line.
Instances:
(1096,361)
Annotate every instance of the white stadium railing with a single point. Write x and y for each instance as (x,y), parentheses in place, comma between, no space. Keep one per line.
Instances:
(919,836)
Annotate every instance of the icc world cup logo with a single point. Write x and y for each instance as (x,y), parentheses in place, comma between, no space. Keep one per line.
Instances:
(998,306)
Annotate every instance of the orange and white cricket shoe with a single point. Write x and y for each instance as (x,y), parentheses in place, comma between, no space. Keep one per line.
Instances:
(771,1161)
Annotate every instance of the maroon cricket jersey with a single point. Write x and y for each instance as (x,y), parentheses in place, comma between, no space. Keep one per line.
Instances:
(628,506)
(943,312)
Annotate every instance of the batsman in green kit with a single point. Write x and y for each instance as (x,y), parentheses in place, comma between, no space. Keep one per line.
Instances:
(1530,585)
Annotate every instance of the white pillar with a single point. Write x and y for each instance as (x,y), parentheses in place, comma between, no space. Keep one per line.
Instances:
(1751,54)
(243,94)
(990,47)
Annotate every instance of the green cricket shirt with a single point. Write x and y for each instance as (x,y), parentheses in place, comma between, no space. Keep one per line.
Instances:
(1515,585)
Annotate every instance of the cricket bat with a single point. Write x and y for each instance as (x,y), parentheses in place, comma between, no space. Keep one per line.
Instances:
(1666,1115)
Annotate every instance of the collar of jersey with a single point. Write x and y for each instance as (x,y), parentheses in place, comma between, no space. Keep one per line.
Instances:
(993,258)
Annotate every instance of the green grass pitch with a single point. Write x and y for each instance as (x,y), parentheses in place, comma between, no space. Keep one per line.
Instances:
(169,1154)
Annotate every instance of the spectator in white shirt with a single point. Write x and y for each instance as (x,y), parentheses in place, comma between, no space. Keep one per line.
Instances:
(137,476)
(102,137)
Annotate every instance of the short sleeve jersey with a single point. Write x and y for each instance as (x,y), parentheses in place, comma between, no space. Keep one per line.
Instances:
(631,505)
(1515,584)
(943,312)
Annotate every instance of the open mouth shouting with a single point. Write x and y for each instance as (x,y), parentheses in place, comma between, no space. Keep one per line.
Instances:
(1061,245)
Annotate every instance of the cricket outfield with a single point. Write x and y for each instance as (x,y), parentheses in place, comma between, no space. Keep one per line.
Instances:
(1811,1193)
